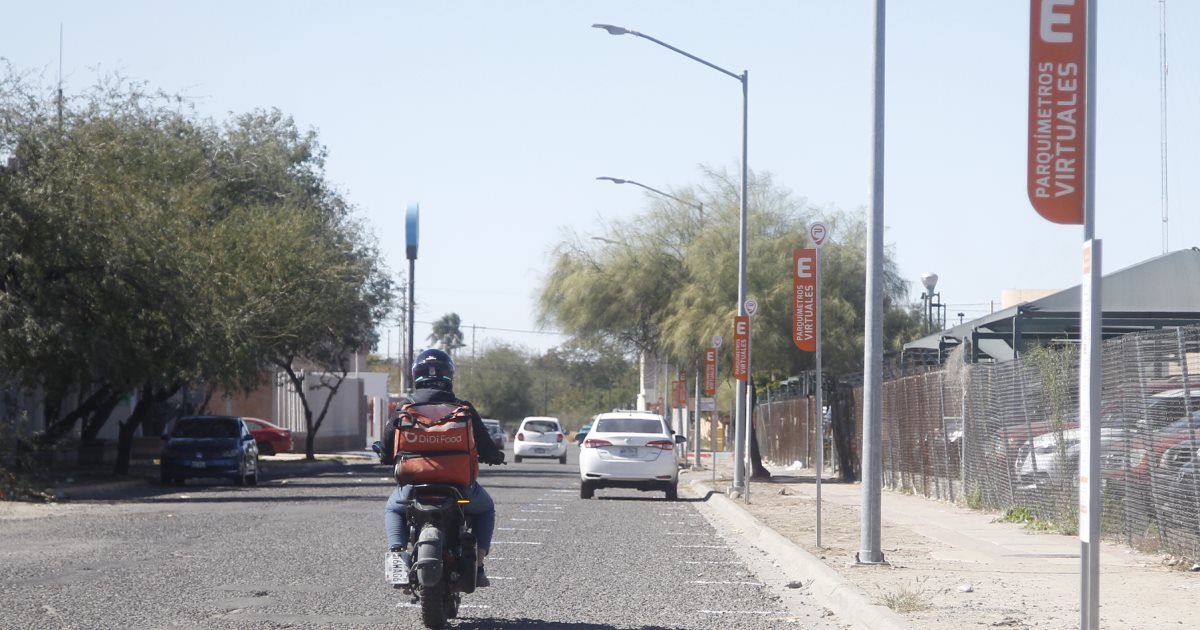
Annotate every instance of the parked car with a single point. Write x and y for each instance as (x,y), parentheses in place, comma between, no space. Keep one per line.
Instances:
(629,449)
(499,437)
(209,446)
(540,436)
(1055,455)
(272,439)
(582,433)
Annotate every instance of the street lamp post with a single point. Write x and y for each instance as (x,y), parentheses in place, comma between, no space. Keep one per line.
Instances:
(739,471)
(641,400)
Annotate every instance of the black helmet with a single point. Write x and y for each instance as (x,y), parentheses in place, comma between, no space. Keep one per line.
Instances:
(433,369)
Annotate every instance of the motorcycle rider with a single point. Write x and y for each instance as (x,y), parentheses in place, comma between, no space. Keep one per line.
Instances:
(433,382)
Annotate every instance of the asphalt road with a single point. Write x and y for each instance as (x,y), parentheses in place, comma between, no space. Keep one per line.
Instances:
(304,550)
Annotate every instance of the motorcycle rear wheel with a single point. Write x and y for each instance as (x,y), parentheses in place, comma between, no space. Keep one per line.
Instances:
(434,606)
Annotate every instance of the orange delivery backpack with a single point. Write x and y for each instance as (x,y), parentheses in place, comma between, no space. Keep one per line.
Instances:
(435,443)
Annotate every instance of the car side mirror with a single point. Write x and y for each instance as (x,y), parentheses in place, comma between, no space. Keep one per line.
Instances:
(247,438)
(680,439)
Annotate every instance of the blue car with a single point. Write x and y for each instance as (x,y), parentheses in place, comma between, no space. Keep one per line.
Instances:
(209,446)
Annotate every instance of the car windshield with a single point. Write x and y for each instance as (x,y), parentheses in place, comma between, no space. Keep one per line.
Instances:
(541,426)
(628,425)
(206,429)
(492,428)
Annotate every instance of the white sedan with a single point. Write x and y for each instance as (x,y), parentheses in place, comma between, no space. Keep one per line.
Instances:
(540,436)
(629,449)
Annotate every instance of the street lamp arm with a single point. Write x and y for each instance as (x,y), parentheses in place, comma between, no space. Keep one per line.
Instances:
(617,180)
(618,30)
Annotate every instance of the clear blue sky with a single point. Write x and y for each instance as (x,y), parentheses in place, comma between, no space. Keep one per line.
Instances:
(497,116)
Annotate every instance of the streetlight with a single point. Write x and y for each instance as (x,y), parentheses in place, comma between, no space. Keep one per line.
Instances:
(641,397)
(618,180)
(739,470)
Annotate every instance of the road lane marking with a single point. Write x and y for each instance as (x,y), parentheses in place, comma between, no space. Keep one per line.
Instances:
(726,582)
(701,547)
(514,542)
(735,612)
(686,534)
(711,562)
(531,520)
(520,529)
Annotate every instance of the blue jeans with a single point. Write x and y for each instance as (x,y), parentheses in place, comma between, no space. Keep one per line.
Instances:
(481,510)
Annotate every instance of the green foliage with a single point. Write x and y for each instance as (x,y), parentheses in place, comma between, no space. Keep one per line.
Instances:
(666,282)
(142,247)
(447,333)
(907,599)
(572,383)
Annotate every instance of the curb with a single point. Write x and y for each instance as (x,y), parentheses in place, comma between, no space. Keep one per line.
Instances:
(828,587)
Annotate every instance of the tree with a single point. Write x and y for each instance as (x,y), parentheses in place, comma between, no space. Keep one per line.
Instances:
(500,383)
(668,281)
(143,249)
(447,333)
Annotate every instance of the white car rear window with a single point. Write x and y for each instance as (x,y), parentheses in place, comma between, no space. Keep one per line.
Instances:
(628,425)
(541,426)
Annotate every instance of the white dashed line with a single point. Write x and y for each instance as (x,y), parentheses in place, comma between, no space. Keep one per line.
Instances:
(520,529)
(725,582)
(700,547)
(513,542)
(735,612)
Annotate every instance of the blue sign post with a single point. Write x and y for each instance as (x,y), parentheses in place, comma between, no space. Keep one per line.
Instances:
(411,232)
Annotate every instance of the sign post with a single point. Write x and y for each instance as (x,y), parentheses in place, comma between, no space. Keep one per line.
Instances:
(712,423)
(751,306)
(410,229)
(1061,186)
(806,275)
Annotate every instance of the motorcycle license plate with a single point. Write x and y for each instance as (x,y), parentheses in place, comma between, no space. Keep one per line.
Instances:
(197,464)
(627,451)
(394,571)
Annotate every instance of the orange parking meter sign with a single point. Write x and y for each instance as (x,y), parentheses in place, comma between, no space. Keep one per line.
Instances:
(741,347)
(1057,90)
(710,371)
(804,299)
(681,397)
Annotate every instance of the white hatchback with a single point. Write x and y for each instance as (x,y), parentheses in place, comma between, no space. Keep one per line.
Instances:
(629,449)
(540,436)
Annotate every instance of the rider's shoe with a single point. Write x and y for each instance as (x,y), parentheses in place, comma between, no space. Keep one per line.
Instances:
(481,578)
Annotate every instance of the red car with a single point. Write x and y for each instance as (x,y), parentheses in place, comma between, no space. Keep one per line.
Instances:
(271,439)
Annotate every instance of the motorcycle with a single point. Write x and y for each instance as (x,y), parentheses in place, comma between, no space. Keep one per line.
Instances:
(442,565)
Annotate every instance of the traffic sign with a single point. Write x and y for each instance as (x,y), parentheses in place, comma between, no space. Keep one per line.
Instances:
(751,306)
(716,341)
(741,347)
(710,371)
(1058,91)
(804,299)
(818,233)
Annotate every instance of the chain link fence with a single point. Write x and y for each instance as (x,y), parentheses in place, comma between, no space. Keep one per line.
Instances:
(1006,437)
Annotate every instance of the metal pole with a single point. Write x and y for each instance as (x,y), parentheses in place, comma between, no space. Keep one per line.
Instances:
(820,401)
(712,422)
(739,469)
(696,433)
(872,456)
(749,411)
(1090,365)
(412,265)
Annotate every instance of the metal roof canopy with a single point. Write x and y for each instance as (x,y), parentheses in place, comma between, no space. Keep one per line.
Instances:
(1160,292)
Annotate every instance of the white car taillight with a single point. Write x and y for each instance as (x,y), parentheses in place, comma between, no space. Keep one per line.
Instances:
(665,445)
(595,442)
(520,436)
(560,437)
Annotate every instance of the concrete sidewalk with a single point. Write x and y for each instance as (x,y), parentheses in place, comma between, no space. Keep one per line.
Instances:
(947,567)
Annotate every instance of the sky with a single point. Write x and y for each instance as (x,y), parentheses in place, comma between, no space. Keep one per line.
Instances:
(496,117)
